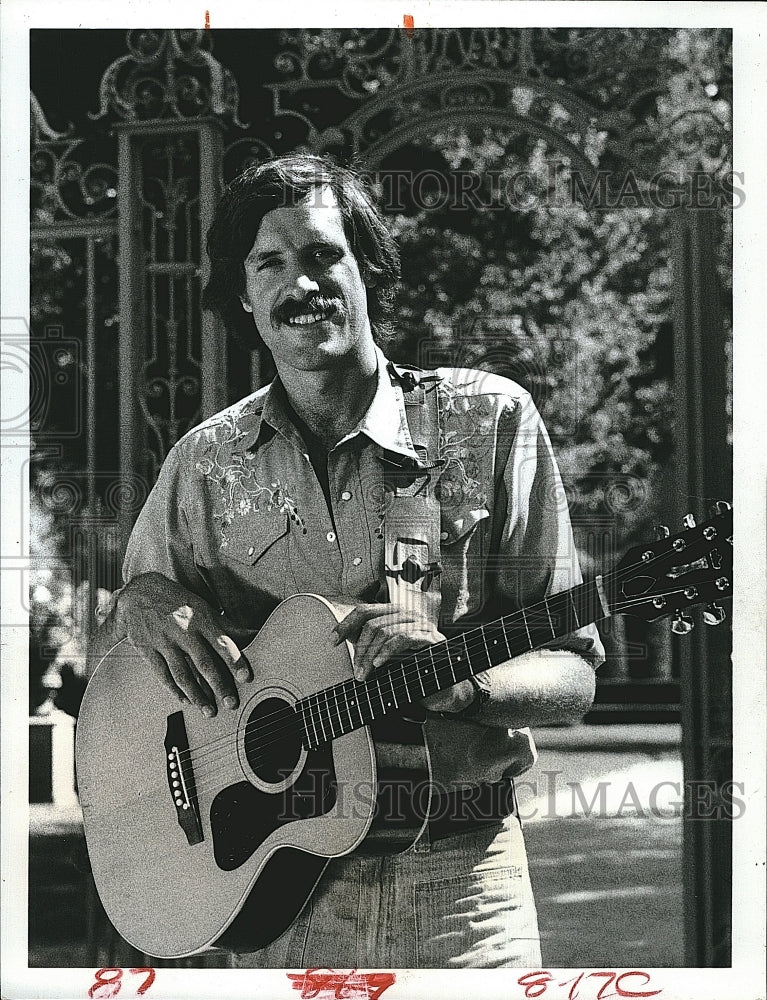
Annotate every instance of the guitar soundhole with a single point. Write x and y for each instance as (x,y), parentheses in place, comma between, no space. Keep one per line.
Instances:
(273,740)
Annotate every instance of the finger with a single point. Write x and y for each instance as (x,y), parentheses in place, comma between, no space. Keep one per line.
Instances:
(395,645)
(206,689)
(350,627)
(184,676)
(224,646)
(212,668)
(160,668)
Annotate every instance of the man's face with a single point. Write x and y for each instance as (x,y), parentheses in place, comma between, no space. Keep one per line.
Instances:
(304,287)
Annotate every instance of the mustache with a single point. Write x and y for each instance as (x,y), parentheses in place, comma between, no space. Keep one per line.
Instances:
(314,303)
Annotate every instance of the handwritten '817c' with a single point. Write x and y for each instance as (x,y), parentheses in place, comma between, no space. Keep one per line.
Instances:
(536,983)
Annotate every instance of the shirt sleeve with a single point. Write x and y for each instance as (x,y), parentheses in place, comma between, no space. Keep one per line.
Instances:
(533,535)
(161,541)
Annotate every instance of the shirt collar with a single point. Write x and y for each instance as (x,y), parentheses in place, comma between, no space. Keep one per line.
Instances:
(384,422)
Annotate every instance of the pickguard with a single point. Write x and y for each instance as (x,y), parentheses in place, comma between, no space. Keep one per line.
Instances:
(243,816)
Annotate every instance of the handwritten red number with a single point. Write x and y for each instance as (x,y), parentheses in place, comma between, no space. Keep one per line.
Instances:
(344,985)
(112,984)
(609,976)
(629,993)
(574,988)
(109,982)
(147,982)
(534,984)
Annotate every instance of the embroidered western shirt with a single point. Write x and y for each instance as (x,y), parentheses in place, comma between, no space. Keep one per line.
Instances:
(239,517)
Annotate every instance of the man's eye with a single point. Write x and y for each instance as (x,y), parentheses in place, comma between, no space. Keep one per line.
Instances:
(325,255)
(270,263)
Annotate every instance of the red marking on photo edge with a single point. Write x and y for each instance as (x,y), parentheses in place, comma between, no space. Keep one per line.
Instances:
(207,20)
(349,985)
(408,24)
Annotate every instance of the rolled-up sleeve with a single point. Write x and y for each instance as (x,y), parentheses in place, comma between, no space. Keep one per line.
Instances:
(536,554)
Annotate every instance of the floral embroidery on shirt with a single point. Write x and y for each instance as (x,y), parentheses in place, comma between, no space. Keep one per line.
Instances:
(465,436)
(240,491)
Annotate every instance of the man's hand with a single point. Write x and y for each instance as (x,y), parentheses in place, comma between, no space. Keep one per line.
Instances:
(183,640)
(382,633)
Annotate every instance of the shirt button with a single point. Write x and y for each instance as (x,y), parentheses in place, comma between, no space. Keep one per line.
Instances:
(346,495)
(251,550)
(356,561)
(443,535)
(331,536)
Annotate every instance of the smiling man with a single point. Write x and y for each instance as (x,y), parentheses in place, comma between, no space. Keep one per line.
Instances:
(309,485)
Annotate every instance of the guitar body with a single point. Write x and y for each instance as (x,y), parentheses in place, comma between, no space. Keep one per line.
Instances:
(213,832)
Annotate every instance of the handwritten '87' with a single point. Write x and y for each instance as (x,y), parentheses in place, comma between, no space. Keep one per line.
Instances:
(109,982)
(535,984)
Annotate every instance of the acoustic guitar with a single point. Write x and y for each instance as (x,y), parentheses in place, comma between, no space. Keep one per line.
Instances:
(212,833)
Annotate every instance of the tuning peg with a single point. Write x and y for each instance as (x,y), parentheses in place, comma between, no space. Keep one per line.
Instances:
(688,520)
(720,507)
(713,614)
(661,531)
(682,624)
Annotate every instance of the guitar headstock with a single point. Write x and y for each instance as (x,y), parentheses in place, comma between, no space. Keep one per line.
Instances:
(677,572)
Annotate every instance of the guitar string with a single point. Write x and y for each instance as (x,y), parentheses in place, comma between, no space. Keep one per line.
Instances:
(295,725)
(526,620)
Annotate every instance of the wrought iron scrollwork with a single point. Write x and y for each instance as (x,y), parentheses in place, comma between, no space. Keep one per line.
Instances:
(168,74)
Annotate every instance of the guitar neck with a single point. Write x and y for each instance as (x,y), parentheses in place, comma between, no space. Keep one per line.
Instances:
(340,709)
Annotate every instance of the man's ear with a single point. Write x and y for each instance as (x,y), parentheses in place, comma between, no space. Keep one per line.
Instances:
(246,305)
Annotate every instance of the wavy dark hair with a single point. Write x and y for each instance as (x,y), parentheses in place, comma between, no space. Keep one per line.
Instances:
(285,182)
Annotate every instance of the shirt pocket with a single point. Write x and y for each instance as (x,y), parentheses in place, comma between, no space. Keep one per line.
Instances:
(257,549)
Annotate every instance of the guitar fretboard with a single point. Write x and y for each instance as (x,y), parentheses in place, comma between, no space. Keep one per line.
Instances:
(342,708)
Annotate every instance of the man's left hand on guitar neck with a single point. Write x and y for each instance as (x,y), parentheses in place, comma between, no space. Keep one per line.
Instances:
(382,633)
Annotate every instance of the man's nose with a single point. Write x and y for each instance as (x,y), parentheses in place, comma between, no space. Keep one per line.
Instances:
(303,283)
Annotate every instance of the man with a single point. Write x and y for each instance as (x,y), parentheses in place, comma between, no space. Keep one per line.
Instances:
(299,488)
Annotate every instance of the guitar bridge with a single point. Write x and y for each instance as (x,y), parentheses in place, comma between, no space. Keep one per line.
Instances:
(180,776)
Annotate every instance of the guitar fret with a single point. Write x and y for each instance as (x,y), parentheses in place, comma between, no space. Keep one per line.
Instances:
(548,615)
(575,610)
(408,695)
(450,663)
(432,674)
(319,718)
(355,704)
(420,680)
(377,680)
(437,670)
(505,639)
(305,721)
(329,714)
(487,651)
(311,719)
(393,692)
(366,689)
(527,630)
